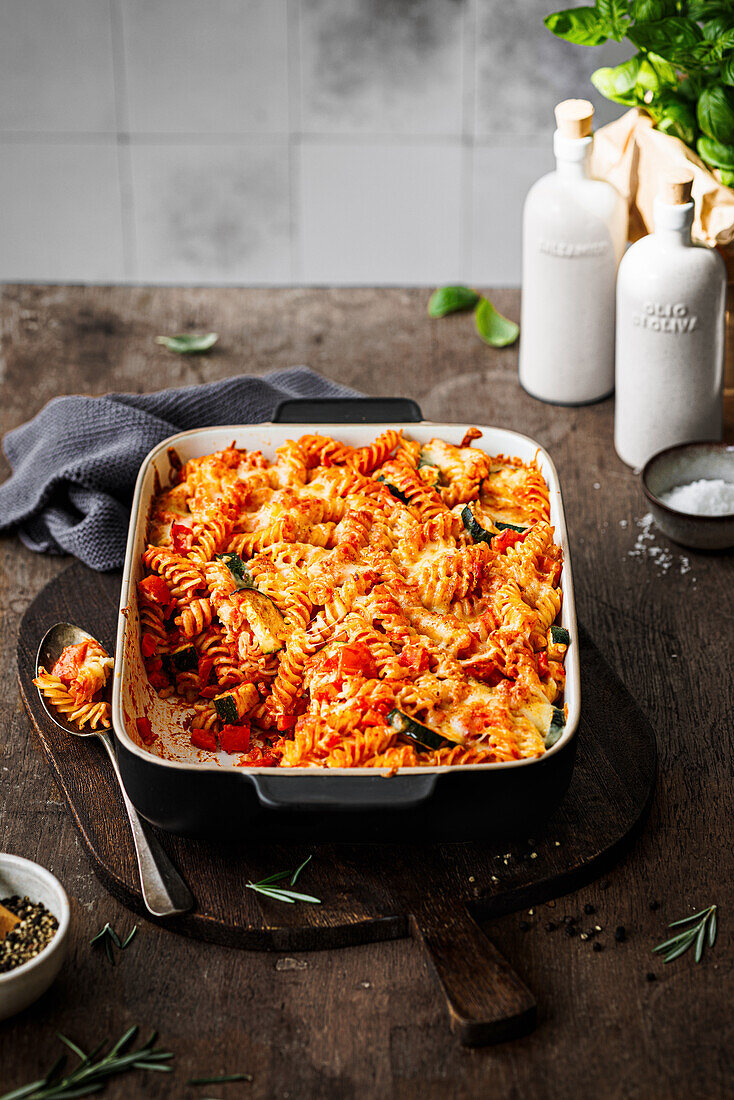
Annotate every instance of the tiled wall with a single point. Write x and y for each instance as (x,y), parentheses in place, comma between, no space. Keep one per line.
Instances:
(275,141)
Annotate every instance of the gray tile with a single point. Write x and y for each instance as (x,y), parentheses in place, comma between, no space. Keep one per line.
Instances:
(383,66)
(56,66)
(502,177)
(523,70)
(211,213)
(206,66)
(380,214)
(60,213)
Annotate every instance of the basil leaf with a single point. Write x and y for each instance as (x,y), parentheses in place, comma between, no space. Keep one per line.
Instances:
(619,83)
(451,299)
(656,72)
(705,9)
(716,114)
(648,11)
(716,154)
(580,25)
(674,37)
(494,329)
(727,71)
(727,177)
(678,120)
(719,31)
(189,343)
(605,81)
(614,13)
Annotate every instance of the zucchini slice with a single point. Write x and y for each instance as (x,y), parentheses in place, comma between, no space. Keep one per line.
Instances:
(556,728)
(237,568)
(422,736)
(393,489)
(475,529)
(560,636)
(266,622)
(185,658)
(478,532)
(226,708)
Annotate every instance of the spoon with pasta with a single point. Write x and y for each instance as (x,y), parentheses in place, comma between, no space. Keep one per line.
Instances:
(72,671)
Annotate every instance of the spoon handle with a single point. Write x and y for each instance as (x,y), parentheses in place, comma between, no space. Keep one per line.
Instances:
(164,891)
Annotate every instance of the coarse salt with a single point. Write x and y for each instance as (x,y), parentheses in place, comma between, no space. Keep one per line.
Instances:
(705,497)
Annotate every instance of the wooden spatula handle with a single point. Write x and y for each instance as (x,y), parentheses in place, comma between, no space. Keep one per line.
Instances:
(487,1001)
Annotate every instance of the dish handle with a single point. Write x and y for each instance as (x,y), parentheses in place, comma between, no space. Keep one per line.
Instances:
(487,1001)
(342,792)
(348,410)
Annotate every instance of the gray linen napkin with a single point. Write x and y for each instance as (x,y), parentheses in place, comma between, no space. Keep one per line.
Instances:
(75,464)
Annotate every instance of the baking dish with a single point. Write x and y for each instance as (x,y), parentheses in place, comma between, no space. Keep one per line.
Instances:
(206,799)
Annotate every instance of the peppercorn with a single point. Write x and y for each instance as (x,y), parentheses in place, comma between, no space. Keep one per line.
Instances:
(524,926)
(550,926)
(589,908)
(27,939)
(651,977)
(570,930)
(598,946)
(620,933)
(654,905)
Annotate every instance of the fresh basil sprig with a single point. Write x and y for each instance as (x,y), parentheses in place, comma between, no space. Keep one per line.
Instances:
(682,73)
(189,343)
(494,329)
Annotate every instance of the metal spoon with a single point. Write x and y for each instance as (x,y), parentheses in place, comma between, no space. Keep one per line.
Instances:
(164,891)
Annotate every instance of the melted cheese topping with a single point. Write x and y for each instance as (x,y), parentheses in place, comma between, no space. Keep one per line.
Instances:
(381,601)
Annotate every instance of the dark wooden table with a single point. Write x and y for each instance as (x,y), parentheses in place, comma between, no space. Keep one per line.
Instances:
(367,1021)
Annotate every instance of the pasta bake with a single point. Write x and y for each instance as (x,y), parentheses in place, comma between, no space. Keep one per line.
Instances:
(392,605)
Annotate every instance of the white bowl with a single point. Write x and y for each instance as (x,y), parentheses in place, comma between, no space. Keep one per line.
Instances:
(680,465)
(24,985)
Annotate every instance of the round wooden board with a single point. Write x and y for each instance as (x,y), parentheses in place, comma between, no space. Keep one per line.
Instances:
(369,892)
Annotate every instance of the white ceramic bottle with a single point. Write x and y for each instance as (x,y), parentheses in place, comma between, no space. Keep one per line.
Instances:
(671,298)
(574,234)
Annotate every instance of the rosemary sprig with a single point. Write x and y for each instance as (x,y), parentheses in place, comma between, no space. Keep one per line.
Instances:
(693,930)
(91,1074)
(110,937)
(279,893)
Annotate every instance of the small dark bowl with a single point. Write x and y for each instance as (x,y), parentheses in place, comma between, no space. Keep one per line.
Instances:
(680,465)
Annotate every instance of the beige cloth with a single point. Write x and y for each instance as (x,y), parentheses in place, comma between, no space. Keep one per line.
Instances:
(634,156)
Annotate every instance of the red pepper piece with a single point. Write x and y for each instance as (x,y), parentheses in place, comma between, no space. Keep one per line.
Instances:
(235,738)
(182,537)
(156,590)
(204,739)
(414,657)
(147,736)
(508,538)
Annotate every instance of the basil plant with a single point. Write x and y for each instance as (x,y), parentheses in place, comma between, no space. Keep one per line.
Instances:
(682,73)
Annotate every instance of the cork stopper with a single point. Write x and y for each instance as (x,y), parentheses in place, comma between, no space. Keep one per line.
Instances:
(573,118)
(675,190)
